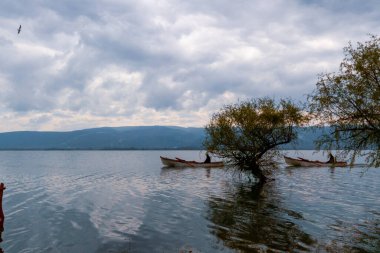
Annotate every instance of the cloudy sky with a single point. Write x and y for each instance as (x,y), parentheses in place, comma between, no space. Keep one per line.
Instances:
(90,63)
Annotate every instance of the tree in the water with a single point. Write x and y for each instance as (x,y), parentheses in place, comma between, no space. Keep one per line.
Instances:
(349,101)
(247,134)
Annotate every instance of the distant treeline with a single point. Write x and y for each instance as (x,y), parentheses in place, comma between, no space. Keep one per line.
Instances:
(131,138)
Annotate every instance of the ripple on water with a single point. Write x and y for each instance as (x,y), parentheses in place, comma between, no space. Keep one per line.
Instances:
(116,201)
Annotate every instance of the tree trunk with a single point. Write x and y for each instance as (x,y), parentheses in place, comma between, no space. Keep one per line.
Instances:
(258,173)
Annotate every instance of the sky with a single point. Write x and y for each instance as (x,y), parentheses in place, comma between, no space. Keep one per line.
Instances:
(94,63)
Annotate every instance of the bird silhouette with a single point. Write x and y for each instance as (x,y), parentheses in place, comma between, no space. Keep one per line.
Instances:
(19,30)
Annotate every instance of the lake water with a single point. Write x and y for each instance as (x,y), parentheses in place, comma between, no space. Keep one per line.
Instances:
(125,202)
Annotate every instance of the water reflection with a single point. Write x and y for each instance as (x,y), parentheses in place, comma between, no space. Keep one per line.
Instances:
(2,217)
(360,238)
(124,202)
(251,218)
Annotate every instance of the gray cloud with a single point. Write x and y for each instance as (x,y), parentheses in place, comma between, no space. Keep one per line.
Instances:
(121,62)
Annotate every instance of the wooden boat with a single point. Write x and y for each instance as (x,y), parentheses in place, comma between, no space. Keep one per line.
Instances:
(177,162)
(301,162)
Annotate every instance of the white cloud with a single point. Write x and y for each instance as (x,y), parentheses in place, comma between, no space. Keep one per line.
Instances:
(112,63)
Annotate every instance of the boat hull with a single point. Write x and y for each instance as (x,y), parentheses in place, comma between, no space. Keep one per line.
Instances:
(183,163)
(306,163)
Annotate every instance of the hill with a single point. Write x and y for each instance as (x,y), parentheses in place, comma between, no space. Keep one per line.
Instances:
(140,137)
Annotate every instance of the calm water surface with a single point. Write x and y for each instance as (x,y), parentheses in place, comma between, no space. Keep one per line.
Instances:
(124,201)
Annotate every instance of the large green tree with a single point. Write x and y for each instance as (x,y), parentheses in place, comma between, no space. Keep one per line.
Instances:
(247,133)
(349,101)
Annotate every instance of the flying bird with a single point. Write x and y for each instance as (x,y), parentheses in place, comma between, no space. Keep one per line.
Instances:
(19,30)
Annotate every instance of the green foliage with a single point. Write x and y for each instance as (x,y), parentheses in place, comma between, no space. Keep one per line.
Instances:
(243,133)
(350,100)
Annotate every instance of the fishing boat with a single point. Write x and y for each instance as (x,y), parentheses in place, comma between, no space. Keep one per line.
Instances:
(301,162)
(177,162)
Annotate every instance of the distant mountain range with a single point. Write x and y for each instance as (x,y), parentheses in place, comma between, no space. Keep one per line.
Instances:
(127,138)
